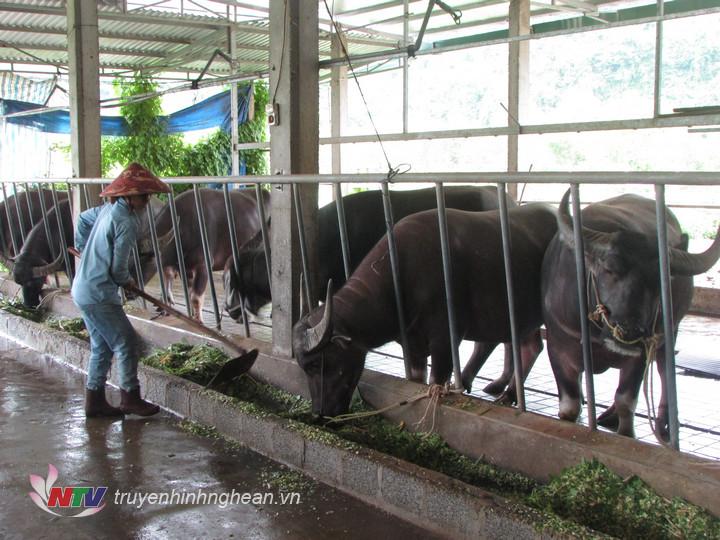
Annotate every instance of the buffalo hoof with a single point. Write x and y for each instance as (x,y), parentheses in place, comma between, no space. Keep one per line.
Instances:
(662,432)
(495,388)
(507,398)
(609,419)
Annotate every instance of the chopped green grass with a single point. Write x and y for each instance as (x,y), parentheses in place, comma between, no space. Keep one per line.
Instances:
(74,327)
(582,500)
(198,363)
(16,307)
(593,495)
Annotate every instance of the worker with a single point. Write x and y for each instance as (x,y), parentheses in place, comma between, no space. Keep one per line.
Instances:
(105,236)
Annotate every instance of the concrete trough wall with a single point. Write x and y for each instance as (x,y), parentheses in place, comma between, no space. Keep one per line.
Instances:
(426,498)
(528,443)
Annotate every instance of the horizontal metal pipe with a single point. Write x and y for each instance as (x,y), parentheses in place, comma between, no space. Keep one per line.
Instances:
(679,178)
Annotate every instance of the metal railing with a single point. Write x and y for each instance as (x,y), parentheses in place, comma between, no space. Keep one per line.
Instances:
(659,179)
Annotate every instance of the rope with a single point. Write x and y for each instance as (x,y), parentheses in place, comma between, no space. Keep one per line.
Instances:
(434,392)
(391,172)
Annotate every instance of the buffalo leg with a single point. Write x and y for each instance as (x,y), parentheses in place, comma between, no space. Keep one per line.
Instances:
(662,423)
(609,418)
(530,349)
(565,366)
(169,277)
(441,367)
(626,397)
(197,292)
(417,356)
(480,354)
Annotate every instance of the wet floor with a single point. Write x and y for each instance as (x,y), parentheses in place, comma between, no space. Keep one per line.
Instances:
(42,423)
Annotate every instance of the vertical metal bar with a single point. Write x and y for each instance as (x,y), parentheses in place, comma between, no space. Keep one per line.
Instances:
(48,232)
(10,223)
(264,230)
(447,274)
(61,234)
(21,219)
(303,245)
(342,226)
(28,200)
(395,268)
(230,215)
(206,254)
(138,273)
(179,251)
(505,232)
(86,197)
(156,252)
(657,86)
(583,306)
(668,323)
(406,64)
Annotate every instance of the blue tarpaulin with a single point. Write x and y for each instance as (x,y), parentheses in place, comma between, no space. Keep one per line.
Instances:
(211,112)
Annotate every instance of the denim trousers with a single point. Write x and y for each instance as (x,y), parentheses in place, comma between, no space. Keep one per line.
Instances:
(110,333)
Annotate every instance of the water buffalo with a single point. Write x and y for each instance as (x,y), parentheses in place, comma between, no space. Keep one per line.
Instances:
(365,221)
(247,226)
(27,219)
(37,260)
(621,257)
(331,342)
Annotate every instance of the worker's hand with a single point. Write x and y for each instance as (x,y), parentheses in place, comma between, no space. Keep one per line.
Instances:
(74,252)
(129,289)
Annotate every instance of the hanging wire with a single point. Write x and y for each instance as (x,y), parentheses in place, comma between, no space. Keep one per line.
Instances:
(391,172)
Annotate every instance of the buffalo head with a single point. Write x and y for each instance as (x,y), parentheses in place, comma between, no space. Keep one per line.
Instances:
(249,287)
(623,272)
(148,265)
(31,271)
(332,362)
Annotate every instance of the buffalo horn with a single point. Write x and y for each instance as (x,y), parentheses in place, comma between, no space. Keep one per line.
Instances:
(166,238)
(683,263)
(319,334)
(145,244)
(7,261)
(595,241)
(46,270)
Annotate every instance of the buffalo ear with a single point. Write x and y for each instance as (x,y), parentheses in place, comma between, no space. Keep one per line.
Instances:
(341,341)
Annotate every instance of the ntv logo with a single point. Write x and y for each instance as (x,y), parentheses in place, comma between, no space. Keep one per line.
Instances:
(47,496)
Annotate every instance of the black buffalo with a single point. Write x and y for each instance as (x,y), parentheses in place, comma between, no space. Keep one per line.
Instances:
(247,226)
(26,220)
(365,221)
(38,259)
(331,342)
(621,257)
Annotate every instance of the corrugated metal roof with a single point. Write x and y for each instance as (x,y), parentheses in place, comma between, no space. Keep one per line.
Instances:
(162,38)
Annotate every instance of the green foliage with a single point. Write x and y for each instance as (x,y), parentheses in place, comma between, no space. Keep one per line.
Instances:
(596,497)
(167,155)
(148,142)
(208,157)
(255,131)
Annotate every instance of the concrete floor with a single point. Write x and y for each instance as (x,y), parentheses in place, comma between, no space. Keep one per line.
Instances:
(42,422)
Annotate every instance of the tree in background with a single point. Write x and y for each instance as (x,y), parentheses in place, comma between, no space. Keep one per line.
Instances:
(166,154)
(148,141)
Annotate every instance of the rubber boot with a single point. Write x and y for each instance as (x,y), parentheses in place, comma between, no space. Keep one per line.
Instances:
(97,405)
(132,403)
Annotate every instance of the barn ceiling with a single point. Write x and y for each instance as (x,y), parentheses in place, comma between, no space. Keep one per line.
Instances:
(177,38)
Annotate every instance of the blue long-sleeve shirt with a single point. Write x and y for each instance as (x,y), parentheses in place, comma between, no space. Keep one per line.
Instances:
(105,235)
